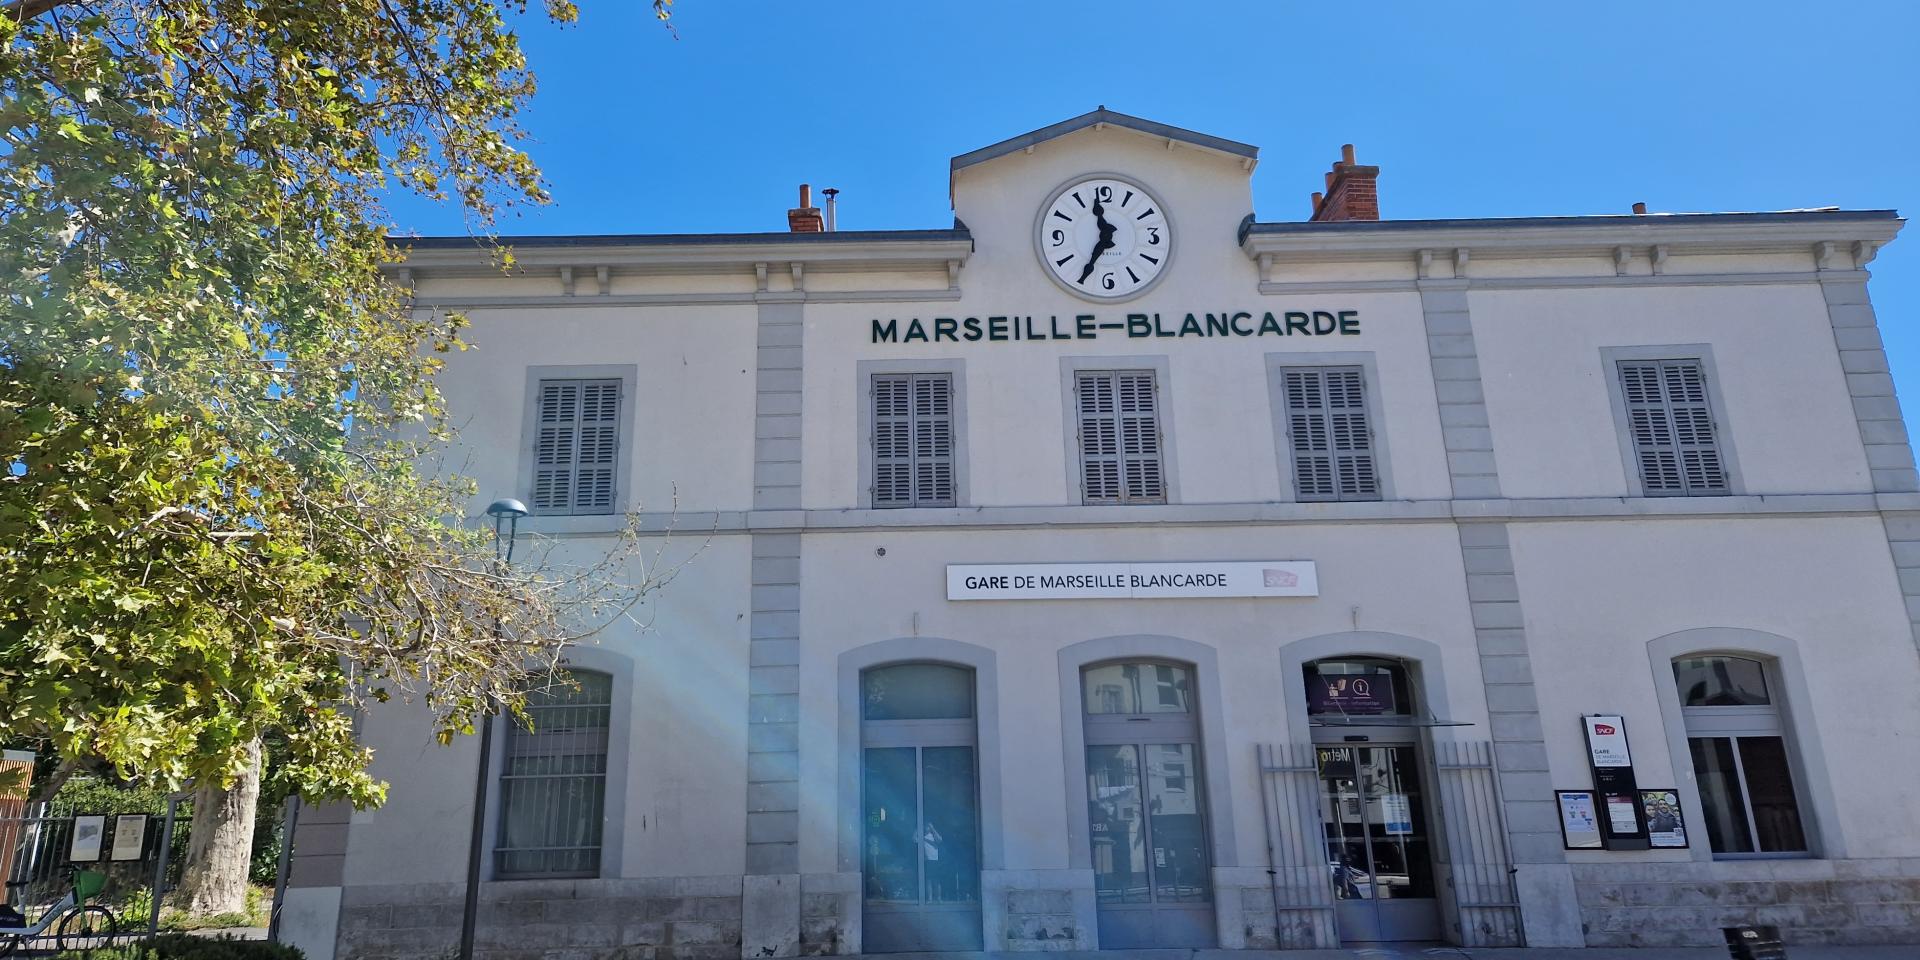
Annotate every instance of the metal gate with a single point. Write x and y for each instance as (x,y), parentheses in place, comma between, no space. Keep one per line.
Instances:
(1478,864)
(1296,854)
(1475,866)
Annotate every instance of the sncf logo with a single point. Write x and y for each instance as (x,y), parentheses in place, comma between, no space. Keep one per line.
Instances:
(1279,578)
(1604,729)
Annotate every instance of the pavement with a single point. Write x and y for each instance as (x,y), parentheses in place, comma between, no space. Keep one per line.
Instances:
(1400,951)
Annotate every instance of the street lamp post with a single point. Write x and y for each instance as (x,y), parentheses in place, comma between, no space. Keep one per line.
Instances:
(506,516)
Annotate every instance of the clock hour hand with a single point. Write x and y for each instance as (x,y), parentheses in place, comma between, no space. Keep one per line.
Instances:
(1101,245)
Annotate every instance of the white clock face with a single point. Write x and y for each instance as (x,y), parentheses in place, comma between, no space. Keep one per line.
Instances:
(1104,238)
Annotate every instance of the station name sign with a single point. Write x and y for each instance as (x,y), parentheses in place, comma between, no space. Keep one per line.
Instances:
(1091,326)
(1131,581)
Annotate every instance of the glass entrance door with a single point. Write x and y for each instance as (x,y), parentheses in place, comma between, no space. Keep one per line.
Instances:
(1379,850)
(1146,809)
(919,810)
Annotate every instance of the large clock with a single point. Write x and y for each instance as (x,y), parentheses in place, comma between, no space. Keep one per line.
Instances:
(1104,238)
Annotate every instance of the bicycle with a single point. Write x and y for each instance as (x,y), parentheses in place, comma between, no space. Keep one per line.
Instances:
(81,925)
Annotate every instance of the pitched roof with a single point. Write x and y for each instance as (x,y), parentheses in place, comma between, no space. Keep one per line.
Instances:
(1105,117)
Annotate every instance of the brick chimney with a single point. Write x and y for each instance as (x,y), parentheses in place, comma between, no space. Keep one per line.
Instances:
(806,218)
(1352,191)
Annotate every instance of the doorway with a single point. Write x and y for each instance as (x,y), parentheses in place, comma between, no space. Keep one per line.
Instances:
(920,809)
(1373,801)
(1146,807)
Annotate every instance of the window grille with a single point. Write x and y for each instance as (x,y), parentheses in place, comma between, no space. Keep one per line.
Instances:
(913,440)
(1119,437)
(1673,429)
(1330,433)
(577,446)
(553,784)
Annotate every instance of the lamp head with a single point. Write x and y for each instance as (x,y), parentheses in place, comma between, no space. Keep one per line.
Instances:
(507,509)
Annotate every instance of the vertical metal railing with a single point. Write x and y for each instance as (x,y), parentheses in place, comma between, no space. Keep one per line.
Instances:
(37,856)
(1478,860)
(1302,886)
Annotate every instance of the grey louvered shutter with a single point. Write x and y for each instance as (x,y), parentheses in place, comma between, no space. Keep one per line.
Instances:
(1331,436)
(576,446)
(1119,437)
(1672,426)
(913,455)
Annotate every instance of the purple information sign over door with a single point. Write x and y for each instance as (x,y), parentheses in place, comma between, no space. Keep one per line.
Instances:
(1350,694)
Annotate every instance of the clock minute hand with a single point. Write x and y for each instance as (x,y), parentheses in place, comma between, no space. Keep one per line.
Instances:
(1101,245)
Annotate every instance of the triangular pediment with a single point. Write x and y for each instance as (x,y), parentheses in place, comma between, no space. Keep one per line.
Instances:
(1103,118)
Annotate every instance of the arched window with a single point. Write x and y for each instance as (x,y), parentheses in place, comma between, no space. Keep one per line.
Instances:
(1740,756)
(553,783)
(1146,805)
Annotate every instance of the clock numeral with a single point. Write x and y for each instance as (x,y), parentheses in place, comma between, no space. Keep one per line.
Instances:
(1063,260)
(1143,216)
(1150,259)
(1134,276)
(1060,237)
(1106,281)
(1103,194)
(1063,216)
(1153,236)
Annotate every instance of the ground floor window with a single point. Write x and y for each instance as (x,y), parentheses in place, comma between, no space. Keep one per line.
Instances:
(1741,759)
(554,781)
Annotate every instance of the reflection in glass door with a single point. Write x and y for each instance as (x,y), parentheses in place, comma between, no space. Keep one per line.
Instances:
(1146,809)
(1379,849)
(920,849)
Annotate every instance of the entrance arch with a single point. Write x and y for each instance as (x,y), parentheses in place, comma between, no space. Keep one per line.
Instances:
(919,790)
(1365,700)
(1147,787)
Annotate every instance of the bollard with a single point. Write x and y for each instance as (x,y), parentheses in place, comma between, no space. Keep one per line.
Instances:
(1754,943)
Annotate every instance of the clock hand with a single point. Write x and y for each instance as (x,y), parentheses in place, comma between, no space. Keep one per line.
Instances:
(1101,245)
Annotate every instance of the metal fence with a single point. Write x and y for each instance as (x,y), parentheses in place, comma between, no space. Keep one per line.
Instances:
(1473,861)
(137,854)
(1479,864)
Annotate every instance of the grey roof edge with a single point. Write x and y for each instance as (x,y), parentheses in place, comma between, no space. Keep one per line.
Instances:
(1252,227)
(1103,115)
(958,233)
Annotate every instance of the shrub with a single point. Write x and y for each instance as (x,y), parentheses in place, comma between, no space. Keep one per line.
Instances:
(181,946)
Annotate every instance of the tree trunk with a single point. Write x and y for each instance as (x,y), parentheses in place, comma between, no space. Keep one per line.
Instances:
(220,845)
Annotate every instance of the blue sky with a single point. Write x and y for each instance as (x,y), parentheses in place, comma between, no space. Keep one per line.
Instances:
(1471,109)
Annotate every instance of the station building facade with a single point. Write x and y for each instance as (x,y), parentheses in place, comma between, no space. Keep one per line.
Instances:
(1116,569)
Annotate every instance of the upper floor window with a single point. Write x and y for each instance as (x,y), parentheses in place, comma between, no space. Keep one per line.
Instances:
(1119,431)
(576,446)
(913,439)
(1330,433)
(1671,425)
(1740,758)
(554,780)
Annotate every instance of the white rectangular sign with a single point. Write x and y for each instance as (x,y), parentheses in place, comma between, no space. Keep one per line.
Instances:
(1121,581)
(1607,741)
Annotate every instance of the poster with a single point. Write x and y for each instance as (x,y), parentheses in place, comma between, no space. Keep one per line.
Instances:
(88,831)
(129,836)
(1579,820)
(1607,741)
(1622,818)
(1397,814)
(1666,826)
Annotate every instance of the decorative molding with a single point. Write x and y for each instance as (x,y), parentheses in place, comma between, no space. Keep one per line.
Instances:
(1423,264)
(604,276)
(799,276)
(1621,258)
(1658,256)
(1460,263)
(1555,510)
(1284,288)
(566,281)
(760,276)
(687,299)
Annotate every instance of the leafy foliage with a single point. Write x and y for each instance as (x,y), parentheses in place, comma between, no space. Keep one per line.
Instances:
(220,511)
(181,946)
